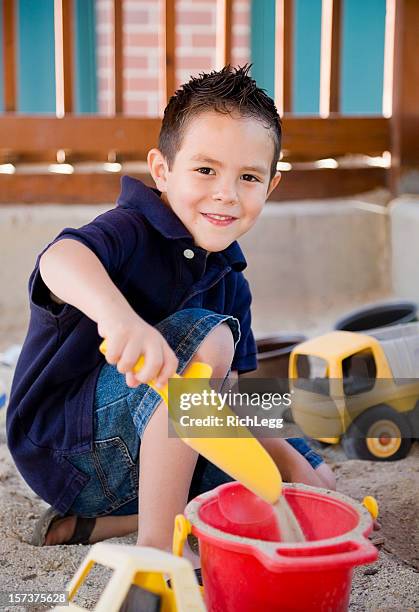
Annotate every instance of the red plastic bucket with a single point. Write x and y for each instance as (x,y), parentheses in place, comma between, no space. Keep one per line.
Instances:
(243,574)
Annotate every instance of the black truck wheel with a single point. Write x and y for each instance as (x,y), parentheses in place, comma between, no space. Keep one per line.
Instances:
(378,434)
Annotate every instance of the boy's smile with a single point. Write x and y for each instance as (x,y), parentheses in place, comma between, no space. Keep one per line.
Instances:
(219,180)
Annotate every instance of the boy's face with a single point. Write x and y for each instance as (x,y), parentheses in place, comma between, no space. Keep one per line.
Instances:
(219,180)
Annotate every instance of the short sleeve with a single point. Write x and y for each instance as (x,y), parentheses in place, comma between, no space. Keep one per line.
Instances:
(112,237)
(245,355)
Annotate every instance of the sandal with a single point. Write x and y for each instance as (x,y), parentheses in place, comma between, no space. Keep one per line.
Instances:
(82,530)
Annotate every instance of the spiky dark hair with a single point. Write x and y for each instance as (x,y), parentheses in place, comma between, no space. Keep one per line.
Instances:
(224,91)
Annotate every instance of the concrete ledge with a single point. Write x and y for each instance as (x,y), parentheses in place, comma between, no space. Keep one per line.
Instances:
(404,215)
(24,232)
(308,262)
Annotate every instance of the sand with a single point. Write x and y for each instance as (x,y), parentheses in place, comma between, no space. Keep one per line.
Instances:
(392,583)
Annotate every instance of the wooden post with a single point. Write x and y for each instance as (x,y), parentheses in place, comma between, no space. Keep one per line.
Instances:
(168,51)
(9,56)
(288,53)
(405,118)
(224,32)
(118,65)
(330,57)
(63,41)
(284,27)
(335,57)
(68,34)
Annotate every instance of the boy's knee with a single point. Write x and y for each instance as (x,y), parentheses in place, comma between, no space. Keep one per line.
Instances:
(217,350)
(326,476)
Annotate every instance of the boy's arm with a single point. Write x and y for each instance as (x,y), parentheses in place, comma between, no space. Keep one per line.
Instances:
(74,274)
(292,465)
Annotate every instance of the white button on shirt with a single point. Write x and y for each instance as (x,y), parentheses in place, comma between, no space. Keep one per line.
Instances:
(188,253)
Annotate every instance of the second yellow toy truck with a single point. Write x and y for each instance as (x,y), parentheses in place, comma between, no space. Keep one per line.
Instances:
(359,388)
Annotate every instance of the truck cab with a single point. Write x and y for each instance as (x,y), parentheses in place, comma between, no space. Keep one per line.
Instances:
(359,388)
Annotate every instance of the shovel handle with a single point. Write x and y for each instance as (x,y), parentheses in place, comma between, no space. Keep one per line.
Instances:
(242,457)
(162,391)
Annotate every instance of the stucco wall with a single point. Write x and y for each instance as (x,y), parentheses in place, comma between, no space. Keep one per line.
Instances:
(307,262)
(404,215)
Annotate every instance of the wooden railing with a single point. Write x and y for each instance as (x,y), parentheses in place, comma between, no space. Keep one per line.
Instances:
(70,138)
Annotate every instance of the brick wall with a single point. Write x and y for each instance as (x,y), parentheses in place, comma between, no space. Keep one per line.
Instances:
(195,48)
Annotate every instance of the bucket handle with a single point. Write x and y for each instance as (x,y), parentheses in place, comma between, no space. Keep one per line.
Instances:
(357,552)
(181,531)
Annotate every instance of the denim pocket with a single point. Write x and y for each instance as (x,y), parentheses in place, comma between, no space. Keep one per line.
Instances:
(113,477)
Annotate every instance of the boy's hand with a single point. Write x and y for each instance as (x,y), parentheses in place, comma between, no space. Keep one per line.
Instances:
(128,337)
(293,466)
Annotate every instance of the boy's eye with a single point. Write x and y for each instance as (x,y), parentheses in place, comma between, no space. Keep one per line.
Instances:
(205,170)
(250,178)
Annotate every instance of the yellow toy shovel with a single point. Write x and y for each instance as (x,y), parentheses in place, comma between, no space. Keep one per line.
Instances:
(242,456)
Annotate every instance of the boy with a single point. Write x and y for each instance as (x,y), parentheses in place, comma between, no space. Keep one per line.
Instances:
(160,276)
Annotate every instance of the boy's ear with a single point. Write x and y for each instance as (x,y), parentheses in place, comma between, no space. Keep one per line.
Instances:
(274,182)
(158,169)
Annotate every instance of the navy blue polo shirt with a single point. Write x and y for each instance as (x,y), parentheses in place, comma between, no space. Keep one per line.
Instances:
(141,243)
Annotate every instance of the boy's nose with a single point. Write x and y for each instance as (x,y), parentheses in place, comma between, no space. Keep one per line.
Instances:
(226,195)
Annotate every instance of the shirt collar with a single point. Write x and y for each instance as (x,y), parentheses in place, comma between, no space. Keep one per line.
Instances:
(135,194)
(147,201)
(235,257)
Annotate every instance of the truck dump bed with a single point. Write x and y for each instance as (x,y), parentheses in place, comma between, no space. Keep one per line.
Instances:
(401,347)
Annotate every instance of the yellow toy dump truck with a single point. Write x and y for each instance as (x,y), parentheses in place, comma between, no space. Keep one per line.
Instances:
(138,581)
(359,388)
